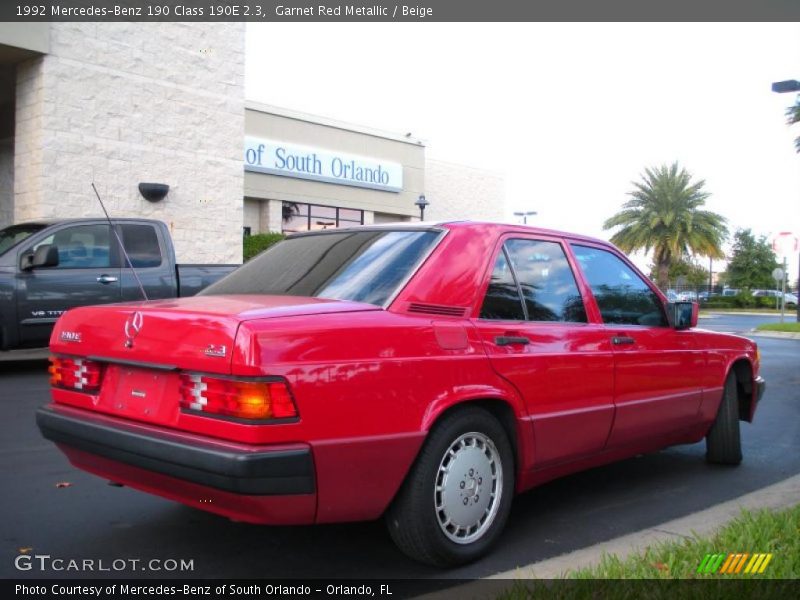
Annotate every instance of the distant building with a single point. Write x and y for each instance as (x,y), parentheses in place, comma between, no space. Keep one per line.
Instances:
(120,104)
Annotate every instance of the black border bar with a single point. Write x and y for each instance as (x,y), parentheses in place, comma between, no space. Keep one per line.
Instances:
(397,11)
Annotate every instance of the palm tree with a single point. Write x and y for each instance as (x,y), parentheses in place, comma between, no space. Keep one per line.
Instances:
(664,215)
(793,114)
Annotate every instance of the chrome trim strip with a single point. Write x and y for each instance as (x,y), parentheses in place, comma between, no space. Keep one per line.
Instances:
(133,363)
(39,321)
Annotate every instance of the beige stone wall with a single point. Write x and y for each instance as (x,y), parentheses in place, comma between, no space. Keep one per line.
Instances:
(463,192)
(252,215)
(123,103)
(6,182)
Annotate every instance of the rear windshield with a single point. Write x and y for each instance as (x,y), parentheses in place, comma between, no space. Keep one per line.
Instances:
(362,266)
(11,236)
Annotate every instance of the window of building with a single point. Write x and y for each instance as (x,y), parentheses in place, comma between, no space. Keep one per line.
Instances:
(298,216)
(622,296)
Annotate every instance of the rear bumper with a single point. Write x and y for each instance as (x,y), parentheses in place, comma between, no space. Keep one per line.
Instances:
(241,470)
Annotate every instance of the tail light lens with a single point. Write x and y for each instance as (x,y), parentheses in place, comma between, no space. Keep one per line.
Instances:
(77,374)
(243,399)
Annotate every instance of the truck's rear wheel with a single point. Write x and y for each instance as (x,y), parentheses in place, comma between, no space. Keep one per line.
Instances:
(723,442)
(456,499)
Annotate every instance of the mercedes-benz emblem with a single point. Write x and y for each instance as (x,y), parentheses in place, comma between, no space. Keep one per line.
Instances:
(132,328)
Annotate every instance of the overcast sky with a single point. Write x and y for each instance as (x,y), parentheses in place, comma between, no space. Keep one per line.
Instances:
(570,114)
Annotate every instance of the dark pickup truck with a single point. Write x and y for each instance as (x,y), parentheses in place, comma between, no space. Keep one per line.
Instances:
(49,266)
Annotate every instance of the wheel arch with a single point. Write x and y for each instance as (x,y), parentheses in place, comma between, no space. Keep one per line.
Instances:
(744,372)
(509,412)
(499,408)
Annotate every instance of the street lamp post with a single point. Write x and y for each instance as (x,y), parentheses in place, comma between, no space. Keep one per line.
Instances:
(525,215)
(421,203)
(784,87)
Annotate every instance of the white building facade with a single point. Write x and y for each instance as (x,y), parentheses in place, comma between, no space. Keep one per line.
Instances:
(119,104)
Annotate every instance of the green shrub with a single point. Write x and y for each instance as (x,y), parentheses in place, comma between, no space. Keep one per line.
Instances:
(766,302)
(254,244)
(724,302)
(744,299)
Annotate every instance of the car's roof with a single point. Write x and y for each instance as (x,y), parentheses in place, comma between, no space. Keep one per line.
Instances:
(485,227)
(56,221)
(516,227)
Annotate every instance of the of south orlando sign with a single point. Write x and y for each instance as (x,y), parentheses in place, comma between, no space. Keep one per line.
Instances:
(304,162)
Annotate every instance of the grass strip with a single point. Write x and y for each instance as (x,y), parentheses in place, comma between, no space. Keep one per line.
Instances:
(793,327)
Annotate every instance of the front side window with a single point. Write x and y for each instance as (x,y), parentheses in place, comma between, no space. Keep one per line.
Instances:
(362,266)
(81,247)
(533,277)
(622,295)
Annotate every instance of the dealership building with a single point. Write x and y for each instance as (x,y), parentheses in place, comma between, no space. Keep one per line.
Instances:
(121,104)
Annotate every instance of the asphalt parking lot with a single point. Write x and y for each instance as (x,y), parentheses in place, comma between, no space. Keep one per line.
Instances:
(89,519)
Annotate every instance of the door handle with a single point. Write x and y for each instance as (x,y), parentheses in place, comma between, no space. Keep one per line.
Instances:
(622,340)
(508,340)
(107,279)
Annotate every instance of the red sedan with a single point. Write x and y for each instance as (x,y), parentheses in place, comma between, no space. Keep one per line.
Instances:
(424,373)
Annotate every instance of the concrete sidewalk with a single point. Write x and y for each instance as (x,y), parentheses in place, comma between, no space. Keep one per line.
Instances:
(780,495)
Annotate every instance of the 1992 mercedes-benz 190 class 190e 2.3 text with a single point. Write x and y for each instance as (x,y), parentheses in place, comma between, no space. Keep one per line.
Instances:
(423,372)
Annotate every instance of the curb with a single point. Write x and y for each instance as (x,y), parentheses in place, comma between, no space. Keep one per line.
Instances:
(741,313)
(20,355)
(780,495)
(780,335)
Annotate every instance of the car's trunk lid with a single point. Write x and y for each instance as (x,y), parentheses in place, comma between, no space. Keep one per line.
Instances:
(144,347)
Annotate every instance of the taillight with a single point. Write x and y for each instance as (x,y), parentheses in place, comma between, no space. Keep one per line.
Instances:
(78,374)
(243,399)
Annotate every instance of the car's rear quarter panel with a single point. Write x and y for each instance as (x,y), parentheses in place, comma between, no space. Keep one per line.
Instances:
(368,386)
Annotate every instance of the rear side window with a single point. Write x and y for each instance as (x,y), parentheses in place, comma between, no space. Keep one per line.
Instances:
(141,244)
(533,277)
(622,296)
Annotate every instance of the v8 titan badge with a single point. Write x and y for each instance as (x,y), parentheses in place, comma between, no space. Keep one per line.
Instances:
(132,328)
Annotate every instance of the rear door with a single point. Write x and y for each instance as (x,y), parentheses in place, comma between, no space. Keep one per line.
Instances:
(87,273)
(534,328)
(658,369)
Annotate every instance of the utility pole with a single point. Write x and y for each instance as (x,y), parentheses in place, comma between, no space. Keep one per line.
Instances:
(784,87)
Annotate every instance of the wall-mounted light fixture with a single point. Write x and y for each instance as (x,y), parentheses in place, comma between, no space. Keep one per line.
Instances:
(154,192)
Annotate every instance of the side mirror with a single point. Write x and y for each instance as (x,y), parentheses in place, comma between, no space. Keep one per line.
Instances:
(46,255)
(684,314)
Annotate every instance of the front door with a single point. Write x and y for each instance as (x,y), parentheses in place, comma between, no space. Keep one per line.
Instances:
(84,275)
(658,369)
(534,328)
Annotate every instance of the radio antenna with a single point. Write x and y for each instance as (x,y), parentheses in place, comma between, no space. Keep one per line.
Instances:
(121,245)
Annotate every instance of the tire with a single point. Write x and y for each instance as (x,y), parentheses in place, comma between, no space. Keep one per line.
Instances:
(723,442)
(441,515)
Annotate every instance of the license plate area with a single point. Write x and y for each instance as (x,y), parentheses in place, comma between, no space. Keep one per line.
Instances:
(142,394)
